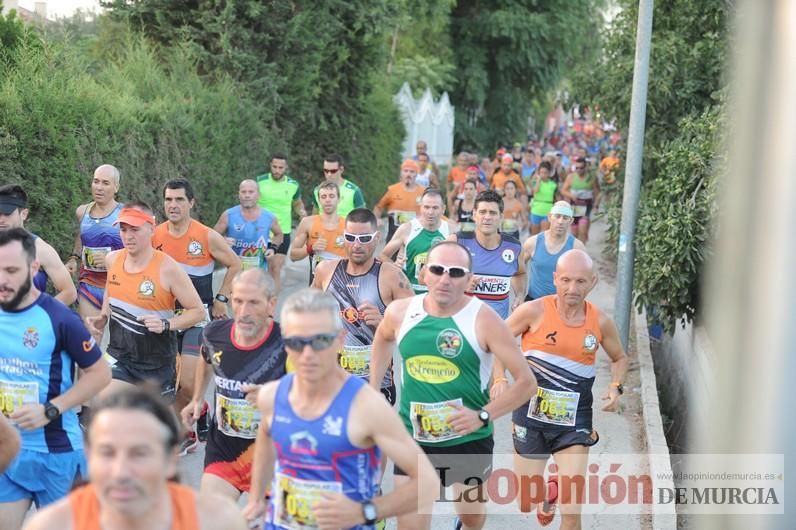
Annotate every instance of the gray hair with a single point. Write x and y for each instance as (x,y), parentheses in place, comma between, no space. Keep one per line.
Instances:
(114,172)
(262,279)
(310,300)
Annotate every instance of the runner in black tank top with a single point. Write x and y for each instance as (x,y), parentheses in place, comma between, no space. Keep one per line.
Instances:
(363,287)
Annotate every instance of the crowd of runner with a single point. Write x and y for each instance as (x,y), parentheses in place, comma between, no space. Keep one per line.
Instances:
(478,290)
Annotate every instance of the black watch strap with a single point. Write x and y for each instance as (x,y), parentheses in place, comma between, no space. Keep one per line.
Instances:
(221,298)
(166,326)
(51,412)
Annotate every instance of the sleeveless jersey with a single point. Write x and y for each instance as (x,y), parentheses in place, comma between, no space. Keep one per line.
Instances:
(335,240)
(465,219)
(40,278)
(351,292)
(38,346)
(582,189)
(544,198)
(251,237)
(511,215)
(98,235)
(401,204)
(562,359)
(278,196)
(423,178)
(316,457)
(493,269)
(543,264)
(350,197)
(441,361)
(86,508)
(192,252)
(236,421)
(132,295)
(418,244)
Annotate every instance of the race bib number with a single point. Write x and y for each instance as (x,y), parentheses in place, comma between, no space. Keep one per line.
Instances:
(509,225)
(579,210)
(237,417)
(403,217)
(201,324)
(250,262)
(554,407)
(467,226)
(294,499)
(356,360)
(430,421)
(90,258)
(111,359)
(14,394)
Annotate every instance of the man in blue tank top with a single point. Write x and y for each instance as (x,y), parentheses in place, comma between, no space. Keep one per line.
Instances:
(40,342)
(364,287)
(497,269)
(13,213)
(323,431)
(544,249)
(248,228)
(96,236)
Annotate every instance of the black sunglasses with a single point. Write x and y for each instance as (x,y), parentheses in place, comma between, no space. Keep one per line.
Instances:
(362,238)
(329,171)
(453,272)
(321,341)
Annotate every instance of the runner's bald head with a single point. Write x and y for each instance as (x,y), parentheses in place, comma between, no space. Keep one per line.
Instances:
(247,183)
(575,259)
(256,277)
(448,249)
(107,170)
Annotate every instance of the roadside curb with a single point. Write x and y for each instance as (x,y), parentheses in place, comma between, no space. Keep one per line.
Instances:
(663,516)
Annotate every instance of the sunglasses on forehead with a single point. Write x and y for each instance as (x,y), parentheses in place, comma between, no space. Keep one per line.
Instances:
(318,342)
(453,271)
(360,238)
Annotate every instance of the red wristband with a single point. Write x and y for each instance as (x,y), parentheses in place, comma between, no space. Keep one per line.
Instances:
(309,249)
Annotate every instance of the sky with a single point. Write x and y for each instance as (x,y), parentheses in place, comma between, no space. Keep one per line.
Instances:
(62,8)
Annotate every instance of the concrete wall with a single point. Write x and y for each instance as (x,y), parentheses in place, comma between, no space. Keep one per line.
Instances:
(682,366)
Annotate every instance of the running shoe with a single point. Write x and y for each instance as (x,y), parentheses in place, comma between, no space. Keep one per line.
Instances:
(547,511)
(202,426)
(189,444)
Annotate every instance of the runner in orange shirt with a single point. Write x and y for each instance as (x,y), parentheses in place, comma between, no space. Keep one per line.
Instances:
(321,236)
(456,176)
(505,174)
(402,200)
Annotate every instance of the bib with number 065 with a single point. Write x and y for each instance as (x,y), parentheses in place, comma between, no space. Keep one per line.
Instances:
(554,406)
(294,499)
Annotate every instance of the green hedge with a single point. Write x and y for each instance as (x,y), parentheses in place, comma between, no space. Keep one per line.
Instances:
(58,122)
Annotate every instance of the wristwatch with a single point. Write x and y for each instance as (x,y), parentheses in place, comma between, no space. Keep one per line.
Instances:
(369,512)
(619,388)
(166,326)
(221,298)
(484,417)
(51,412)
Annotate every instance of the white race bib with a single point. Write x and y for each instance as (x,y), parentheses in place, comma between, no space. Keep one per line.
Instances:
(579,210)
(554,407)
(237,417)
(294,498)
(14,394)
(430,421)
(89,258)
(356,360)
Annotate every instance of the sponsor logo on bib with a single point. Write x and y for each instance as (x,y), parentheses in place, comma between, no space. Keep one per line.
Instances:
(431,369)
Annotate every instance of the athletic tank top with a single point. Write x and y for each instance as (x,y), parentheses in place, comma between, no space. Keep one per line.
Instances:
(511,214)
(441,361)
(544,198)
(40,278)
(315,457)
(562,359)
(424,178)
(86,508)
(235,423)
(465,219)
(351,292)
(192,252)
(543,264)
(493,269)
(98,235)
(251,237)
(132,295)
(418,244)
(335,240)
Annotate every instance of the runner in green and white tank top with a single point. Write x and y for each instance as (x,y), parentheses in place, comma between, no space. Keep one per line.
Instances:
(418,243)
(441,361)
